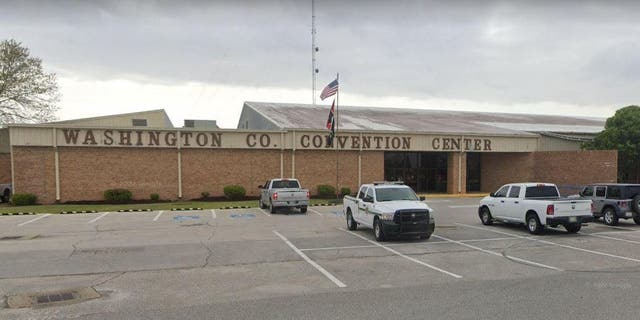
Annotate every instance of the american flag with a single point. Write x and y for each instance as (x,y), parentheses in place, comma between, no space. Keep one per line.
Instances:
(329,90)
(331,122)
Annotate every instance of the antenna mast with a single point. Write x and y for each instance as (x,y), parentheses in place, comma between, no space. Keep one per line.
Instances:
(314,49)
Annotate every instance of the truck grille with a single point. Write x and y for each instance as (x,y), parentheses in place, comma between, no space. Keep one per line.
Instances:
(411,216)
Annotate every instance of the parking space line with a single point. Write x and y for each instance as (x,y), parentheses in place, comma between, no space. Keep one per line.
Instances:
(98,218)
(457,276)
(622,228)
(311,262)
(606,237)
(465,206)
(499,254)
(555,244)
(482,240)
(35,219)
(265,213)
(315,211)
(338,248)
(213,214)
(158,215)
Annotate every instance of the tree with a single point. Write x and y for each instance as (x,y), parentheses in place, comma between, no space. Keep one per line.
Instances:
(27,94)
(622,133)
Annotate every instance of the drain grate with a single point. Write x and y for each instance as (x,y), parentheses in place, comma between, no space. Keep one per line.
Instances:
(43,299)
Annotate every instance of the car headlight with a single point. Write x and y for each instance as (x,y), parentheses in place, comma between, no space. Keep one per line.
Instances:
(387,216)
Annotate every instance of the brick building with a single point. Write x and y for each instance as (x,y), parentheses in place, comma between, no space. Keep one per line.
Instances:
(433,151)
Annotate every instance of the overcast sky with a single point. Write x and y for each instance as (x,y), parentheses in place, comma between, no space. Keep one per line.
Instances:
(203,59)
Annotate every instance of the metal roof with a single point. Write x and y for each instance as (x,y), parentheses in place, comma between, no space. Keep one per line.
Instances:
(304,116)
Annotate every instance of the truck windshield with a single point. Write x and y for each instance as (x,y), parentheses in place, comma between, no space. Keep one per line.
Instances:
(283,184)
(392,194)
(542,192)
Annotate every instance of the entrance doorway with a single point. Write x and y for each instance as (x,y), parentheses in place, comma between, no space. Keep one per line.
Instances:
(422,171)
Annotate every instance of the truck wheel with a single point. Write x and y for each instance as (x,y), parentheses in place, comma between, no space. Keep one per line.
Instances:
(609,217)
(485,216)
(573,228)
(351,223)
(425,236)
(303,209)
(635,205)
(636,218)
(533,224)
(272,209)
(377,231)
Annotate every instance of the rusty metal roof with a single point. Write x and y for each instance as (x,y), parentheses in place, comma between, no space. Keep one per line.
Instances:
(304,116)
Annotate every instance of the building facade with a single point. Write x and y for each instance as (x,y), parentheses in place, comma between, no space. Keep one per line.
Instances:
(432,151)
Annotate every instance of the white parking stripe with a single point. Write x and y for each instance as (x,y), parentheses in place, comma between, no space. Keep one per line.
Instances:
(499,254)
(554,244)
(466,206)
(311,262)
(213,214)
(35,219)
(610,238)
(98,218)
(315,211)
(338,248)
(265,213)
(158,215)
(457,276)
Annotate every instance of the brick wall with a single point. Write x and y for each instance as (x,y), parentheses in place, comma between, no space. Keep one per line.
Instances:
(571,170)
(85,173)
(5,168)
(567,169)
(211,170)
(35,172)
(501,168)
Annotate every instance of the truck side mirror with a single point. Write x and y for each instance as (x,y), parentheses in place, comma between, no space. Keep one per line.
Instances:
(367,199)
(492,194)
(423,198)
(260,187)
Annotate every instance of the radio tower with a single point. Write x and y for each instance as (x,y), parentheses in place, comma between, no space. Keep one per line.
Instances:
(314,49)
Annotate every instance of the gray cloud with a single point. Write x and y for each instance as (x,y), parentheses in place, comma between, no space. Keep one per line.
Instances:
(572,52)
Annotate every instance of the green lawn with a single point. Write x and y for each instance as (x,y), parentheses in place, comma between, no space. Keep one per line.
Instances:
(57,208)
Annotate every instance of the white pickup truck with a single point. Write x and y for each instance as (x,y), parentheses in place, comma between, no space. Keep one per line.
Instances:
(536,205)
(281,193)
(390,209)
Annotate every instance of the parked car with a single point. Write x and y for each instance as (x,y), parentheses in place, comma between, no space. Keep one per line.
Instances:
(536,205)
(283,193)
(390,209)
(613,201)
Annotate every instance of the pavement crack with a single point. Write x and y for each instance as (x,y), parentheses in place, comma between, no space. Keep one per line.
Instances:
(117,275)
(209,254)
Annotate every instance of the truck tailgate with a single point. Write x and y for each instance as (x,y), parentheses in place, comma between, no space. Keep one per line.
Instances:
(291,194)
(570,208)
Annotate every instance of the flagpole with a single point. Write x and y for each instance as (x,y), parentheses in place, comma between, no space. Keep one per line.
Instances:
(336,138)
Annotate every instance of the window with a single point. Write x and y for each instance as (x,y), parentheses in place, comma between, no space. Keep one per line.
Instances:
(361,193)
(600,191)
(139,122)
(541,191)
(587,192)
(613,192)
(391,194)
(370,193)
(515,192)
(502,192)
(283,184)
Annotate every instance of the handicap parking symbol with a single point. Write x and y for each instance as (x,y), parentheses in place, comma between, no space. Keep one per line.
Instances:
(242,215)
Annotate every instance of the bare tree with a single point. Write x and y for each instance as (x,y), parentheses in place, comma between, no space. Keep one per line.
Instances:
(27,94)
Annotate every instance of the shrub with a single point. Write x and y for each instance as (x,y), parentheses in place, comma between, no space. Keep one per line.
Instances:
(204,194)
(23,199)
(154,197)
(234,192)
(345,191)
(117,195)
(326,191)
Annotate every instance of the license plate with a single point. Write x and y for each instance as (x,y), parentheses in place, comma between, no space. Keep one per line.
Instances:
(573,219)
(629,214)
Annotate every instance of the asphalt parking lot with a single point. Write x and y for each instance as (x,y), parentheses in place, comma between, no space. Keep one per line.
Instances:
(248,263)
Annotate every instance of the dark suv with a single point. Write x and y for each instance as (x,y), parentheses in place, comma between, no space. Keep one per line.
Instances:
(614,201)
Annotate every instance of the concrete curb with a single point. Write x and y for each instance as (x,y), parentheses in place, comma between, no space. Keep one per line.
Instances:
(74,212)
(185,209)
(17,213)
(238,207)
(134,210)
